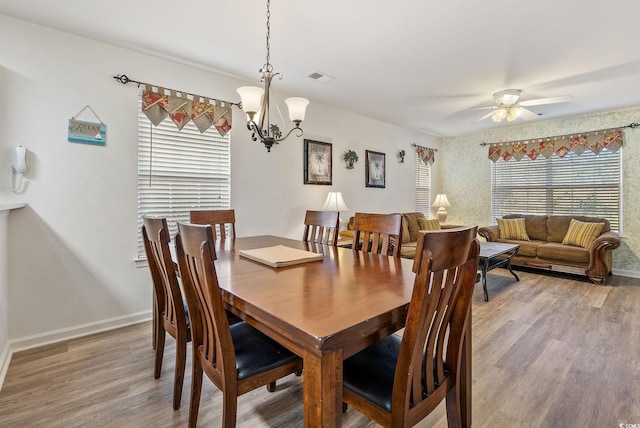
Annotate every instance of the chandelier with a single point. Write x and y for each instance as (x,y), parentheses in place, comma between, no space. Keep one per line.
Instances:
(255,101)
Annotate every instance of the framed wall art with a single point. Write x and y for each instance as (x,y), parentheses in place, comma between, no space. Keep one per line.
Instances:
(374,169)
(318,162)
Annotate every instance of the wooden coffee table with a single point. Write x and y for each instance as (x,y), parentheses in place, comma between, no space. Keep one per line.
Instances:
(494,255)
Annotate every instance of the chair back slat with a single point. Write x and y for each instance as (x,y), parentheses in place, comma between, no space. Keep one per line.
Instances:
(376,233)
(218,220)
(212,337)
(321,227)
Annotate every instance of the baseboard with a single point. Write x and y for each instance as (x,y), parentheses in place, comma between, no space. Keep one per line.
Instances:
(623,272)
(29,342)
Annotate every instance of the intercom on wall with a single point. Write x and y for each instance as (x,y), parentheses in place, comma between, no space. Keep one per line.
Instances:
(18,167)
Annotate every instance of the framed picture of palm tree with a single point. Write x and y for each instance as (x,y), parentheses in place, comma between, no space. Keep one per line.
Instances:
(318,162)
(374,169)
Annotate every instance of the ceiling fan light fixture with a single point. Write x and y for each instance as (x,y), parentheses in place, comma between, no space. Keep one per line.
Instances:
(513,113)
(507,97)
(499,115)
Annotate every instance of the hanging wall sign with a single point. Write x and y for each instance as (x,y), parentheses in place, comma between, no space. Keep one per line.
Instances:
(85,132)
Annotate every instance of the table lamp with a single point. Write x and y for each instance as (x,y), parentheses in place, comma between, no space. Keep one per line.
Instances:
(441,203)
(335,202)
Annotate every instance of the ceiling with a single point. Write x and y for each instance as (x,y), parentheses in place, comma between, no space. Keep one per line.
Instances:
(423,65)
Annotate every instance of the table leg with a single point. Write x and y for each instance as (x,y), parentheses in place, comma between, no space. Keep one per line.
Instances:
(511,270)
(323,389)
(484,280)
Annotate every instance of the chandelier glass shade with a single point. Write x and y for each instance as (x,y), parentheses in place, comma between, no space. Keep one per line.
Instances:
(255,103)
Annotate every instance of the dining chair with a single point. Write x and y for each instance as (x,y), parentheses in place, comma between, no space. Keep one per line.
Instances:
(237,358)
(169,310)
(398,381)
(376,233)
(219,218)
(321,227)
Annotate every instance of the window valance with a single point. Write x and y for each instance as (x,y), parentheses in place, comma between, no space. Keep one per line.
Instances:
(425,154)
(594,141)
(158,105)
(161,103)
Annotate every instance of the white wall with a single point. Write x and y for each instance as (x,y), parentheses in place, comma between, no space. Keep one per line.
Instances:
(470,193)
(71,250)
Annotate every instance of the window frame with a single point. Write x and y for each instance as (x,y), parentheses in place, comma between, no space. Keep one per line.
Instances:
(588,184)
(423,187)
(177,171)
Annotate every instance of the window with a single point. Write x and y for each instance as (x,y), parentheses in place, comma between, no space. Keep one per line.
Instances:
(423,187)
(587,185)
(179,171)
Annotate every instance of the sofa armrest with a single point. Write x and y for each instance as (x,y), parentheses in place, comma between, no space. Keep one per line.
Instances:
(600,259)
(611,240)
(490,233)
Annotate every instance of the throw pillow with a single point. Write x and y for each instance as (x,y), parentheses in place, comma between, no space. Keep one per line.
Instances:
(432,224)
(581,234)
(406,236)
(513,228)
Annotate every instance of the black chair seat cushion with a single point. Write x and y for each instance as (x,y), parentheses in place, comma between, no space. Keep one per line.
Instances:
(370,372)
(255,352)
(186,313)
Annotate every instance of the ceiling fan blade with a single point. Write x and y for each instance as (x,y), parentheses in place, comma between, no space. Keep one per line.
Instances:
(483,108)
(486,116)
(551,100)
(527,114)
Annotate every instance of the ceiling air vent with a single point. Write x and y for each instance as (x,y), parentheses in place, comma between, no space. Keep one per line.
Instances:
(320,77)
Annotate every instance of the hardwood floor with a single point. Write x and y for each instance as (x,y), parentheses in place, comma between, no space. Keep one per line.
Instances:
(548,351)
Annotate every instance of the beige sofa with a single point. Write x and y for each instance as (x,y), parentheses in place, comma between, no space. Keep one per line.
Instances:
(410,228)
(545,249)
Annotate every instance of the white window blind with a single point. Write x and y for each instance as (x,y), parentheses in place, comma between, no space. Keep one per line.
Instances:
(423,187)
(588,185)
(180,171)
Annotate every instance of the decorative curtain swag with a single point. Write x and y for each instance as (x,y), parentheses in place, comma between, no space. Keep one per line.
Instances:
(595,141)
(425,154)
(158,105)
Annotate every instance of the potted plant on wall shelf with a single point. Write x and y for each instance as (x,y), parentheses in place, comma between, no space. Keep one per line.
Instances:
(401,156)
(350,157)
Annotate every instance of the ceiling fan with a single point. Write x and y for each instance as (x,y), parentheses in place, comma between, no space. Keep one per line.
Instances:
(508,105)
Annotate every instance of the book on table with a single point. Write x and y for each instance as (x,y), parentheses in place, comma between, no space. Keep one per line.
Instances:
(280,256)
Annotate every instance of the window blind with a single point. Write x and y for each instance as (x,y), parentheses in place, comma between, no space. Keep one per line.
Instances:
(588,185)
(423,187)
(179,171)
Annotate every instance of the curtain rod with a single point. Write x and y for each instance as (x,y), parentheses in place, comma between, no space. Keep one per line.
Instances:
(631,125)
(416,145)
(122,78)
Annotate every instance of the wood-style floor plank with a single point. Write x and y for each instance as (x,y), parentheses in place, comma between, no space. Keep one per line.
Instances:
(548,351)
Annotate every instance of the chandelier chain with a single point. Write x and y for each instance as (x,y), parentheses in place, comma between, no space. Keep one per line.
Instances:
(268,66)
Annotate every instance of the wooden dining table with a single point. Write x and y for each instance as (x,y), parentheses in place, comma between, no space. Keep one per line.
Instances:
(324,311)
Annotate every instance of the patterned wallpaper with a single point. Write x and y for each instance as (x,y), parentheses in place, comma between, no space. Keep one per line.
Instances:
(465,173)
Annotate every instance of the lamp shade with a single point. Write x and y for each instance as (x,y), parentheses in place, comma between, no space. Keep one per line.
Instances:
(334,202)
(251,97)
(297,108)
(441,201)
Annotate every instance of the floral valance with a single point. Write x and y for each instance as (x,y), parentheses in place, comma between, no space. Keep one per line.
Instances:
(157,106)
(595,141)
(425,154)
